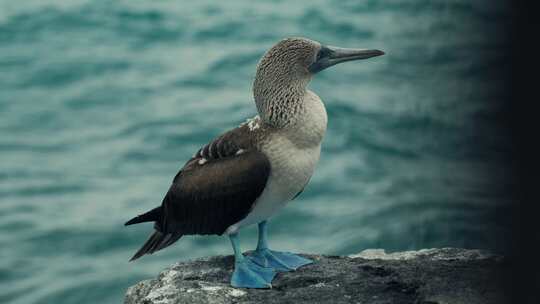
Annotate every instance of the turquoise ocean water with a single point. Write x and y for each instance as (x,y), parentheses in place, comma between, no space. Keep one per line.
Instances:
(101,102)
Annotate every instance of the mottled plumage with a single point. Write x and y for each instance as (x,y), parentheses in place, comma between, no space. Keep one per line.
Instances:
(282,78)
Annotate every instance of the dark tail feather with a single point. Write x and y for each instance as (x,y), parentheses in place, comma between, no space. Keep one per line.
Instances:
(157,241)
(150,216)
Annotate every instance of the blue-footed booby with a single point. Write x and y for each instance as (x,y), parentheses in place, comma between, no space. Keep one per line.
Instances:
(249,173)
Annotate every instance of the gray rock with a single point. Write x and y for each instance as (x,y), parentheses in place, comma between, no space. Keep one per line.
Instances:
(427,276)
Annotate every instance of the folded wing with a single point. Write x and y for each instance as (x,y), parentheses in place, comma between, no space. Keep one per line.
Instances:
(218,186)
(214,190)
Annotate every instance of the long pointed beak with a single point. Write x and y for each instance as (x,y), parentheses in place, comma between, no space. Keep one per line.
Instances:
(331,55)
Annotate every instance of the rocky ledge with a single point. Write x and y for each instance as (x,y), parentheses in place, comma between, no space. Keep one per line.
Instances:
(428,276)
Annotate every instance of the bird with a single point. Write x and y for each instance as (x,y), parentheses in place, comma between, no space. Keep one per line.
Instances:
(249,173)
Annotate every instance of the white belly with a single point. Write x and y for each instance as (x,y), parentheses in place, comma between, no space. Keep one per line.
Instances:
(291,170)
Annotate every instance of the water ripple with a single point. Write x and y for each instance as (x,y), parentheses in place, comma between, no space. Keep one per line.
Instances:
(101,102)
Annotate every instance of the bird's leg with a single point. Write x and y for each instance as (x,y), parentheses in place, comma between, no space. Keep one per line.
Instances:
(248,274)
(281,261)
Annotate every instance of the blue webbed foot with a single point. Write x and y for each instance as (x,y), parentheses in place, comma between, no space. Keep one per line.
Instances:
(250,275)
(280,261)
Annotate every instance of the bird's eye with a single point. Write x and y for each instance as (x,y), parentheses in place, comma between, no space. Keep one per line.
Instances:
(323,52)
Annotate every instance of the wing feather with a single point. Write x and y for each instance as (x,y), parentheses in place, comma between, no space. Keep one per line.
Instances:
(207,197)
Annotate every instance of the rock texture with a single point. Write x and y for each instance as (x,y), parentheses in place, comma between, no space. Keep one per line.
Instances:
(428,276)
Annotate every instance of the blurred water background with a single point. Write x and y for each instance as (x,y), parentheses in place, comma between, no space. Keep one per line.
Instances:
(101,102)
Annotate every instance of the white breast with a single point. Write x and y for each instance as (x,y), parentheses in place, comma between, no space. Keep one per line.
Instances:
(293,154)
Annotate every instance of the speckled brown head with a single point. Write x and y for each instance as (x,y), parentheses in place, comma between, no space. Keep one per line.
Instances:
(285,70)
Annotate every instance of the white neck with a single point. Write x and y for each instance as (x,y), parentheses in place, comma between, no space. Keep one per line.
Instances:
(308,125)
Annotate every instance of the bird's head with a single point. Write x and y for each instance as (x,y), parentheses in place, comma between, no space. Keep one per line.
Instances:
(285,70)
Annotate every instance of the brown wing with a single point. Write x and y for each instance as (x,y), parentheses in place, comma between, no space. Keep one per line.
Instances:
(216,188)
